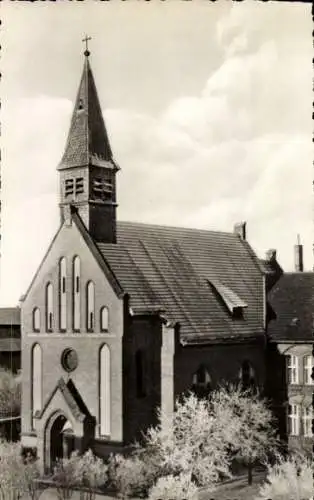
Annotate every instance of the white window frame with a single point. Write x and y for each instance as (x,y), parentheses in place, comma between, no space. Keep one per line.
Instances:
(49,307)
(62,295)
(294,417)
(104,391)
(307,417)
(293,369)
(104,319)
(90,306)
(76,293)
(307,369)
(36,379)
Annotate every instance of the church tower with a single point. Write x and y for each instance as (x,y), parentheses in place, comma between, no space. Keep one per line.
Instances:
(87,169)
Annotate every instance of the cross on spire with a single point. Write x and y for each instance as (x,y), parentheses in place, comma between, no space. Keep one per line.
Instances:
(86,40)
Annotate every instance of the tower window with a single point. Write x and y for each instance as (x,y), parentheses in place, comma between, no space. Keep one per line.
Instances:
(49,307)
(79,185)
(90,306)
(69,187)
(102,188)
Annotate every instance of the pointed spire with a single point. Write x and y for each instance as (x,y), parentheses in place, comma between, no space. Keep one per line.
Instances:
(88,142)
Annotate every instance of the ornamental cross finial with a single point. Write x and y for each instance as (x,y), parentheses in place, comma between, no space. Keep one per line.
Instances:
(86,40)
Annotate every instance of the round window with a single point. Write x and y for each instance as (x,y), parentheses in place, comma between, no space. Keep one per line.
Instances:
(69,360)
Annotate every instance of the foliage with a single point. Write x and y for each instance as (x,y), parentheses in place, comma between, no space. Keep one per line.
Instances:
(251,428)
(79,471)
(174,488)
(289,479)
(17,475)
(10,392)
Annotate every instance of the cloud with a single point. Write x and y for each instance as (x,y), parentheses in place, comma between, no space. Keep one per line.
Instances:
(239,149)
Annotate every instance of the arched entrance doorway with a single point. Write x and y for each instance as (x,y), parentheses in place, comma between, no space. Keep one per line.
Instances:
(61,439)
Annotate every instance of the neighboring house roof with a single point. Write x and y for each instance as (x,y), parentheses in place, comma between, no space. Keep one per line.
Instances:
(292,300)
(169,268)
(10,316)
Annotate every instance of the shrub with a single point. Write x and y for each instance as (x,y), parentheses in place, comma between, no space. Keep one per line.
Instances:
(18,476)
(79,471)
(289,479)
(132,476)
(174,488)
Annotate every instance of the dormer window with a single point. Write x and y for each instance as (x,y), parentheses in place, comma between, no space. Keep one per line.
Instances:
(69,187)
(230,299)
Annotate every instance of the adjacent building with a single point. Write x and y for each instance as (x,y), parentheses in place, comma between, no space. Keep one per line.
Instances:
(290,353)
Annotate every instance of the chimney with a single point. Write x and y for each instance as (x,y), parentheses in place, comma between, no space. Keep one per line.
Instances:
(298,255)
(271,255)
(240,229)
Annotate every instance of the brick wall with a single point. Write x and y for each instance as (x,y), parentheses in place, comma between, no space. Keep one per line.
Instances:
(86,377)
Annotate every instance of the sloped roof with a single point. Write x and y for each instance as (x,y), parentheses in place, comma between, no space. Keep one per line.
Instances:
(88,142)
(168,268)
(10,316)
(292,300)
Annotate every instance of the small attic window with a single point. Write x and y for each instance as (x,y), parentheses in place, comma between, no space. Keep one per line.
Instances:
(80,105)
(295,321)
(232,301)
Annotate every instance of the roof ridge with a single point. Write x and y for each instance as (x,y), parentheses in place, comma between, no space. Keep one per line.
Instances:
(183,228)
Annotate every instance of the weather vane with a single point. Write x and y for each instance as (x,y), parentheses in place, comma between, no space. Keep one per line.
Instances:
(86,40)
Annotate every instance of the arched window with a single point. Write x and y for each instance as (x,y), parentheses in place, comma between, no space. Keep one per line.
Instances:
(49,307)
(140,374)
(36,378)
(104,391)
(201,383)
(36,319)
(90,305)
(76,293)
(247,375)
(62,294)
(104,319)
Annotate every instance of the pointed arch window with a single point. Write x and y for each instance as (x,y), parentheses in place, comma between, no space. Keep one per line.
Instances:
(201,381)
(49,307)
(140,373)
(104,391)
(36,319)
(36,386)
(104,319)
(76,293)
(62,294)
(90,305)
(247,375)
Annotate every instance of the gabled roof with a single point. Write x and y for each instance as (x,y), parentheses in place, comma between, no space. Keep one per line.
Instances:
(10,316)
(88,142)
(72,398)
(168,268)
(292,300)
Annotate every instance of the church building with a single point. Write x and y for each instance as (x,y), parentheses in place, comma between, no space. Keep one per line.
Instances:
(122,317)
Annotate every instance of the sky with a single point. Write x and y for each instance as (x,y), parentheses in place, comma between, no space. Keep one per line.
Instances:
(207,106)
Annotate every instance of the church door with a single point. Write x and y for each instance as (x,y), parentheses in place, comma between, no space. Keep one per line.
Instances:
(56,440)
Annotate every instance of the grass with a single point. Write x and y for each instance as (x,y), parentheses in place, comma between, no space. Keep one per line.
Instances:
(236,489)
